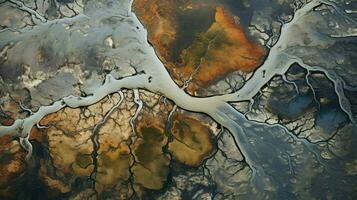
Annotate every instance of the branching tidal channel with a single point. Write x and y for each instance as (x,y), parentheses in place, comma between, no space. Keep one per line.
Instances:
(251,137)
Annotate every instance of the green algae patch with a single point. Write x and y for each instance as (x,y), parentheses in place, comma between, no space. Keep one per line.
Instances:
(192,140)
(152,165)
(83,160)
(113,165)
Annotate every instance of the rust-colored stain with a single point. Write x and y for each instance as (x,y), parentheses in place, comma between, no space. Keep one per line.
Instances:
(6,121)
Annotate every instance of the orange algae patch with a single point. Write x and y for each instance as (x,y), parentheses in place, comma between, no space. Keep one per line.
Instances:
(221,49)
(12,164)
(158,17)
(224,48)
